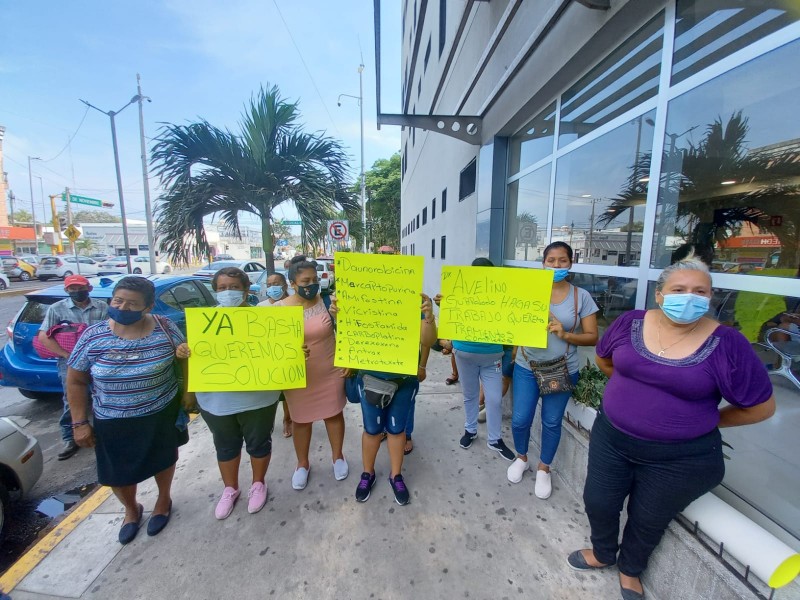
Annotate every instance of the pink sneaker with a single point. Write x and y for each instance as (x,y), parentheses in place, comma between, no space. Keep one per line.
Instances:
(226,502)
(257,497)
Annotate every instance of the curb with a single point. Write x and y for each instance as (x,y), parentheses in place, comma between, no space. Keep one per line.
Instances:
(17,292)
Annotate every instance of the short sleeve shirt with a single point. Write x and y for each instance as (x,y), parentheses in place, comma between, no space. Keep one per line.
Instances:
(564,311)
(655,398)
(130,378)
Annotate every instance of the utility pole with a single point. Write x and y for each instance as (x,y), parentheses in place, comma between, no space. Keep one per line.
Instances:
(11,198)
(56,224)
(33,204)
(363,173)
(150,237)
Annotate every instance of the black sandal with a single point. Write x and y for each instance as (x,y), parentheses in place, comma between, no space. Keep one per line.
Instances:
(451,380)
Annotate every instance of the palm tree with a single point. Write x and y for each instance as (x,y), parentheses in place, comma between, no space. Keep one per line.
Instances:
(209,171)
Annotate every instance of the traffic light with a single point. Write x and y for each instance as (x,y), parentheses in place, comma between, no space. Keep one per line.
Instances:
(226,246)
(62,222)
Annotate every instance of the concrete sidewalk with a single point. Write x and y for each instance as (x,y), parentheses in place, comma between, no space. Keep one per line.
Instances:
(467,533)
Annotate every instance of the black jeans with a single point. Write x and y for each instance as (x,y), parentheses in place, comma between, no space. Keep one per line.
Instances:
(659,479)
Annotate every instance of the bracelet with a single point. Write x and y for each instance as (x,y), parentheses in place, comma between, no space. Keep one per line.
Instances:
(79,424)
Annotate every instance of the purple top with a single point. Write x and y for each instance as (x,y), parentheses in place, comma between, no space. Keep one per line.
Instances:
(656,398)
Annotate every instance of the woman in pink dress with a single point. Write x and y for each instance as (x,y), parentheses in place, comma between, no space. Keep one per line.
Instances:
(323,397)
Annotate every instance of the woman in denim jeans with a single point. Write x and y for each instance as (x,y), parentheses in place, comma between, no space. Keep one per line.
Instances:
(567,329)
(391,419)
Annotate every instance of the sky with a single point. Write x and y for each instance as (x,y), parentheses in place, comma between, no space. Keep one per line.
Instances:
(197,59)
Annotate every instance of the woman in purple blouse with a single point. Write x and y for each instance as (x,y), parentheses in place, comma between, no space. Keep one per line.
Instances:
(656,439)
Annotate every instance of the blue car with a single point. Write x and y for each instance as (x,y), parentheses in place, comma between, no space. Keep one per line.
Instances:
(37,377)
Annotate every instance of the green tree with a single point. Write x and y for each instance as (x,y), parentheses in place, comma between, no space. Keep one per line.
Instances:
(210,171)
(85,245)
(21,216)
(90,216)
(383,204)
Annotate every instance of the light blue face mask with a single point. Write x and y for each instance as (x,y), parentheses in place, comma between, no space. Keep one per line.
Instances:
(275,292)
(685,308)
(230,298)
(558,274)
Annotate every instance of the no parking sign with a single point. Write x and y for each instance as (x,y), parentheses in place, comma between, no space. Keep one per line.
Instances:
(338,230)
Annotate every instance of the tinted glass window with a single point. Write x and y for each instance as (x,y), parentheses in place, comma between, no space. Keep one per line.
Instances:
(184,295)
(526,229)
(50,262)
(730,169)
(534,142)
(601,191)
(34,311)
(708,31)
(625,78)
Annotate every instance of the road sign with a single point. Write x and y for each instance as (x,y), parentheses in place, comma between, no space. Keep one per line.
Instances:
(285,222)
(83,200)
(338,230)
(72,233)
(527,233)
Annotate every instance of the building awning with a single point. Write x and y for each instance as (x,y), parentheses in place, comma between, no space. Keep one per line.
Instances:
(116,239)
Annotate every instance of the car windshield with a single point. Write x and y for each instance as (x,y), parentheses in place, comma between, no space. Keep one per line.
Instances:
(35,310)
(9,262)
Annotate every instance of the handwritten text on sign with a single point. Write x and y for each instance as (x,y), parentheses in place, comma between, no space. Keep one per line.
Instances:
(245,349)
(379,301)
(495,305)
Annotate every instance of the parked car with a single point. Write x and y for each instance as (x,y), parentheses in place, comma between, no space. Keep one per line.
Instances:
(219,257)
(4,282)
(16,268)
(327,281)
(31,259)
(139,265)
(64,266)
(253,268)
(20,464)
(20,365)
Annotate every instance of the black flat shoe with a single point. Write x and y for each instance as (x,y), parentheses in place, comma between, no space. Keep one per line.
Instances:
(158,522)
(128,531)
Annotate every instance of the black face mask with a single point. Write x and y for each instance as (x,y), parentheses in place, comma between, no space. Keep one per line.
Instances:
(80,296)
(308,292)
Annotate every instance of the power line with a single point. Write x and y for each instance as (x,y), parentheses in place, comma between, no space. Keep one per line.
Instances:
(303,60)
(70,138)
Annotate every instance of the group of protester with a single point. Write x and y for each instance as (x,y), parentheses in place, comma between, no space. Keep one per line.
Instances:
(656,440)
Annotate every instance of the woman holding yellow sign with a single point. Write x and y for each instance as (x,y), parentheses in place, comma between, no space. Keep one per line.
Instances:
(323,398)
(551,372)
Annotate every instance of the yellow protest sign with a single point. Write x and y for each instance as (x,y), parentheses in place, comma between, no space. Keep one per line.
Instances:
(495,305)
(245,349)
(378,296)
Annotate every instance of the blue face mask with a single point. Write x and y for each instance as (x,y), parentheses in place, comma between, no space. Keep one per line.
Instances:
(558,274)
(275,292)
(685,308)
(230,298)
(125,317)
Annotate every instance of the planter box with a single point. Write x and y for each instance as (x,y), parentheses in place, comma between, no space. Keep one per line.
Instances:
(581,416)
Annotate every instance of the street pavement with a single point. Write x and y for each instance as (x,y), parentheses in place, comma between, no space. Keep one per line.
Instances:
(467,533)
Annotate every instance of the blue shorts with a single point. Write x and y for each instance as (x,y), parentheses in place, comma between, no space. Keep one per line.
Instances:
(508,362)
(391,419)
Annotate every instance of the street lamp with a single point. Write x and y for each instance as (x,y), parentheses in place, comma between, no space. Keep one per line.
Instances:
(111,114)
(147,210)
(33,208)
(360,99)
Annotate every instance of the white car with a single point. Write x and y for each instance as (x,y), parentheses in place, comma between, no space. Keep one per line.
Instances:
(139,265)
(253,268)
(4,282)
(20,461)
(64,266)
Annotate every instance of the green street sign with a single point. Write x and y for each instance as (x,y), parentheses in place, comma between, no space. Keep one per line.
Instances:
(82,200)
(291,222)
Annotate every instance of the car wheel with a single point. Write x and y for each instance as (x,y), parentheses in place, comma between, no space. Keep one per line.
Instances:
(24,276)
(2,284)
(137,271)
(67,274)
(3,507)
(44,396)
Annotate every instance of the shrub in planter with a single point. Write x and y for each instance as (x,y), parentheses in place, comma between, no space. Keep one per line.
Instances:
(591,383)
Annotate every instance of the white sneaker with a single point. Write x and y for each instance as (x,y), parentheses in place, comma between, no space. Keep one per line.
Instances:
(517,468)
(482,415)
(300,478)
(340,469)
(543,487)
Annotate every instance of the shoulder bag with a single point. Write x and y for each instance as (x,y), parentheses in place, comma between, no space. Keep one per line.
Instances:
(66,334)
(552,375)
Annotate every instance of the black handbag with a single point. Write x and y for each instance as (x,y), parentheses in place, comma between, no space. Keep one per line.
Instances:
(552,375)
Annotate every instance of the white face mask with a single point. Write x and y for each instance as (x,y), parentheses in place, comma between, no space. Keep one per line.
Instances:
(230,298)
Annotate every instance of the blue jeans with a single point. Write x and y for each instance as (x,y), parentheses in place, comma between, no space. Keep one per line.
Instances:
(65,422)
(410,421)
(526,397)
(393,418)
(474,369)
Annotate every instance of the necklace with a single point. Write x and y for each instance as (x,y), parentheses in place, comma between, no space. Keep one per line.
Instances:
(683,337)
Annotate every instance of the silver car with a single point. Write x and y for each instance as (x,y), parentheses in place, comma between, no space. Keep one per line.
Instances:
(20,463)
